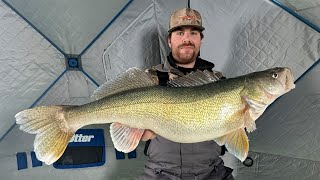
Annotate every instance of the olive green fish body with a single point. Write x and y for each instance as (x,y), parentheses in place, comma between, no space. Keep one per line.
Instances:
(174,113)
(189,112)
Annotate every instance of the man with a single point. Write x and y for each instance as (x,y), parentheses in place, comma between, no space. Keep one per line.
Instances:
(171,160)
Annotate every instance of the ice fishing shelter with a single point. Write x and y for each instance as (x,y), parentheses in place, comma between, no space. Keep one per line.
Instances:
(58,52)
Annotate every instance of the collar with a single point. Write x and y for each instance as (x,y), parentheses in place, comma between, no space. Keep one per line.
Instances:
(171,66)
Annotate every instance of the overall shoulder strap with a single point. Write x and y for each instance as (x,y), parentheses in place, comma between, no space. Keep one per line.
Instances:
(163,78)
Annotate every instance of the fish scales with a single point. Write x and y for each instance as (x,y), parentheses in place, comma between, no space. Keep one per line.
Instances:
(178,112)
(218,111)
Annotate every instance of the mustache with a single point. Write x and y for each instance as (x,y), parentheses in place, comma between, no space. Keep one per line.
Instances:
(186,44)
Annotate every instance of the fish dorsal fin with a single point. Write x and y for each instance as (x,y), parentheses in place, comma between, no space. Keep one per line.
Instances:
(131,79)
(124,138)
(236,142)
(195,78)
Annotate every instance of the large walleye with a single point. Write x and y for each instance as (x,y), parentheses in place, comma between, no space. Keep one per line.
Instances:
(196,109)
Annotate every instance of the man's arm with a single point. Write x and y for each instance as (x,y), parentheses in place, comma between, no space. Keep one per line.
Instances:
(148,134)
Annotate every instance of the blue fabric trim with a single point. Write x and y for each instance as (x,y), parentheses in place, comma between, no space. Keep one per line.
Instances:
(22,160)
(78,166)
(8,131)
(119,155)
(34,27)
(296,15)
(307,71)
(316,28)
(104,29)
(132,154)
(35,161)
(88,76)
(46,91)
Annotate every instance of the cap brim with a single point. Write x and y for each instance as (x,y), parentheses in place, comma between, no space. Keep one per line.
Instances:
(195,26)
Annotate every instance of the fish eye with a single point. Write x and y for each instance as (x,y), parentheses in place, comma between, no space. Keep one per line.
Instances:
(275,75)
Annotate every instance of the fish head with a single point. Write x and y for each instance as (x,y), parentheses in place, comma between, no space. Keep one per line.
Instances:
(274,82)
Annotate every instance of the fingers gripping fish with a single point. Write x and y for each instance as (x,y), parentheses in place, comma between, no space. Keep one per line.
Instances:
(195,109)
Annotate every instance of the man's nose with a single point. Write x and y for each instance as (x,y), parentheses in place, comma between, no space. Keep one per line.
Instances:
(186,38)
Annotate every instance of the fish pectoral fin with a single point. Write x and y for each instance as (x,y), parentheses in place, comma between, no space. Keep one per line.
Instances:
(255,105)
(249,122)
(236,142)
(253,111)
(124,138)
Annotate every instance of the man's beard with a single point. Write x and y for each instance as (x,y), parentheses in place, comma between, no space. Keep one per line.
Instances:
(185,58)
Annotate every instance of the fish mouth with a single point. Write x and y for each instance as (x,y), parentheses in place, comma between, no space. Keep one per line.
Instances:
(289,81)
(285,82)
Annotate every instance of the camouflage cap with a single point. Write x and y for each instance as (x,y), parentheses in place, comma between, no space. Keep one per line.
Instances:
(185,17)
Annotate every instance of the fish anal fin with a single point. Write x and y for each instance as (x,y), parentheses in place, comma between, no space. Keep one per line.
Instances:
(236,142)
(125,139)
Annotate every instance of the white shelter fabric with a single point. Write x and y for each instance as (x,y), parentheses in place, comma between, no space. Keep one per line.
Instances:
(241,36)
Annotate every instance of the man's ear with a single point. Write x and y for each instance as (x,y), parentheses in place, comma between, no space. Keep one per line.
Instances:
(169,41)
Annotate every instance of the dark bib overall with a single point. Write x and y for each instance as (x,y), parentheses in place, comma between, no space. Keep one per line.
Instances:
(169,160)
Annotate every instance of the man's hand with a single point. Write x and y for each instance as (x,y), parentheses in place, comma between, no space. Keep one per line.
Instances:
(148,134)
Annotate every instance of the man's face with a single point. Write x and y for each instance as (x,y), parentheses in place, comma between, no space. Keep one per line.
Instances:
(185,44)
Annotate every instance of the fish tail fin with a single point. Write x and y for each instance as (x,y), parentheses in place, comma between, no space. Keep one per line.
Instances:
(52,131)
